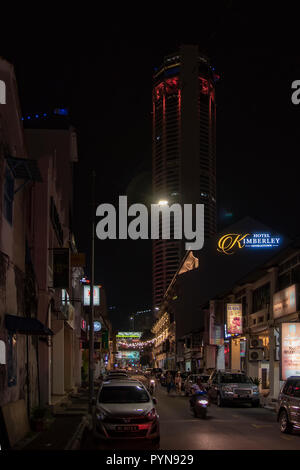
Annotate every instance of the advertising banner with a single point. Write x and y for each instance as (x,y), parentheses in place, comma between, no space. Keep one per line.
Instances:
(285,301)
(212,330)
(105,339)
(134,355)
(234,319)
(129,334)
(219,336)
(87,295)
(289,350)
(243,348)
(61,268)
(78,260)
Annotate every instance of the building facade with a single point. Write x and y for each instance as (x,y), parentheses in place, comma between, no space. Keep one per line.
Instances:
(183,149)
(51,246)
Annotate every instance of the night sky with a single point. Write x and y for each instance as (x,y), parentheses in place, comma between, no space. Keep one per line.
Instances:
(103,73)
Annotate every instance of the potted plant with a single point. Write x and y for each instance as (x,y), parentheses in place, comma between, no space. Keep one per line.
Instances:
(39,417)
(256,380)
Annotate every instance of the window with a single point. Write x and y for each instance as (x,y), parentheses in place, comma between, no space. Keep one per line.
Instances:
(261,297)
(296,389)
(8,196)
(12,360)
(119,394)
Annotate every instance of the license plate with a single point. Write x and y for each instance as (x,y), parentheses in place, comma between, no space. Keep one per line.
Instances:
(127,428)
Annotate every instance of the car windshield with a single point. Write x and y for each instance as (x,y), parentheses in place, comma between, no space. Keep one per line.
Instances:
(235,378)
(130,394)
(204,378)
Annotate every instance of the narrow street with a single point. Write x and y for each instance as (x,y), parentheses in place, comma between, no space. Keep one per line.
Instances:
(232,428)
(226,428)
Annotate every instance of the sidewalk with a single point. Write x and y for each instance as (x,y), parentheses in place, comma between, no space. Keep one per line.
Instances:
(61,431)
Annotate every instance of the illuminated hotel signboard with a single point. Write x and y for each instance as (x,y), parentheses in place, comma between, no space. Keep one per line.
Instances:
(234,319)
(231,242)
(290,350)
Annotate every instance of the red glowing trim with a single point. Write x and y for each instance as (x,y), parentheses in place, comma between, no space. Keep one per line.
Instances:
(203,86)
(167,87)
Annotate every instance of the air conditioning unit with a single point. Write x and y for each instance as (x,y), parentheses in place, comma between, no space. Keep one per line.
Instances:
(256,343)
(256,355)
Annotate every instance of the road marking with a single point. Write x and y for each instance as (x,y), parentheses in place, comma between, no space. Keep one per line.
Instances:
(258,426)
(191,420)
(287,438)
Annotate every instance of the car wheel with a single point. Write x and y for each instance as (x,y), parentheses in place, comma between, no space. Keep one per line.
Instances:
(255,404)
(219,400)
(285,425)
(156,442)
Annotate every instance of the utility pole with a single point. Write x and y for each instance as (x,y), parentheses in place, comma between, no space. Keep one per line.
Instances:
(91,316)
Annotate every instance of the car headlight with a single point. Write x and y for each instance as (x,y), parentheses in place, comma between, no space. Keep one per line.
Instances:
(151,415)
(152,381)
(100,414)
(203,402)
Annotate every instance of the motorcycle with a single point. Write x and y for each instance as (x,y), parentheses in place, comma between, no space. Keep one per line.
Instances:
(151,386)
(198,404)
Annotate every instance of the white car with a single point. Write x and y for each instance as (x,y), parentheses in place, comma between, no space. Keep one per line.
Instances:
(125,410)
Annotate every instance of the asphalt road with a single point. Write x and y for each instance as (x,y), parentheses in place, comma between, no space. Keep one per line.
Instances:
(227,428)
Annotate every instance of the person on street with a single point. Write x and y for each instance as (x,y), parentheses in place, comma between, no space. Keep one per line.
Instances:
(178,383)
(169,380)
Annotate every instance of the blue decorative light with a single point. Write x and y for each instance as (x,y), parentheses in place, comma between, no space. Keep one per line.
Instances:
(61,111)
(36,115)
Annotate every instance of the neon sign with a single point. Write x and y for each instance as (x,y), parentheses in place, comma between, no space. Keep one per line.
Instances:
(230,242)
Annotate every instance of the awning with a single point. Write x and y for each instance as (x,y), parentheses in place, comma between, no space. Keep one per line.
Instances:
(26,326)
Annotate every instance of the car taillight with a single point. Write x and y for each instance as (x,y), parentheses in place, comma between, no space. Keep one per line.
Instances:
(151,415)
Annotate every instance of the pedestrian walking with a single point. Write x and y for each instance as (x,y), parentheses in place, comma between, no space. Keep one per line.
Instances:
(169,381)
(178,382)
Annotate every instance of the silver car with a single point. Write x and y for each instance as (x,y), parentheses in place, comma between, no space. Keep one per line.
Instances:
(288,405)
(231,386)
(125,410)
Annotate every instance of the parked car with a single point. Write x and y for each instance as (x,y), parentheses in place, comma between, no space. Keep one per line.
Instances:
(230,386)
(114,375)
(125,410)
(288,405)
(193,379)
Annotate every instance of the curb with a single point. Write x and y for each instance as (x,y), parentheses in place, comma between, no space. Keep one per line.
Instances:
(75,441)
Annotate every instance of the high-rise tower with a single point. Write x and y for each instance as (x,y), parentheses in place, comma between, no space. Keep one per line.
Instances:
(183,149)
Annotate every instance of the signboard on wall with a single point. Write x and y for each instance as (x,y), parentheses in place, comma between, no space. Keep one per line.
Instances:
(234,319)
(134,355)
(129,334)
(212,330)
(285,301)
(289,350)
(61,268)
(87,295)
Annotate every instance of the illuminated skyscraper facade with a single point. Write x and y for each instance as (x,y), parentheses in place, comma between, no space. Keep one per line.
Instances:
(183,149)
